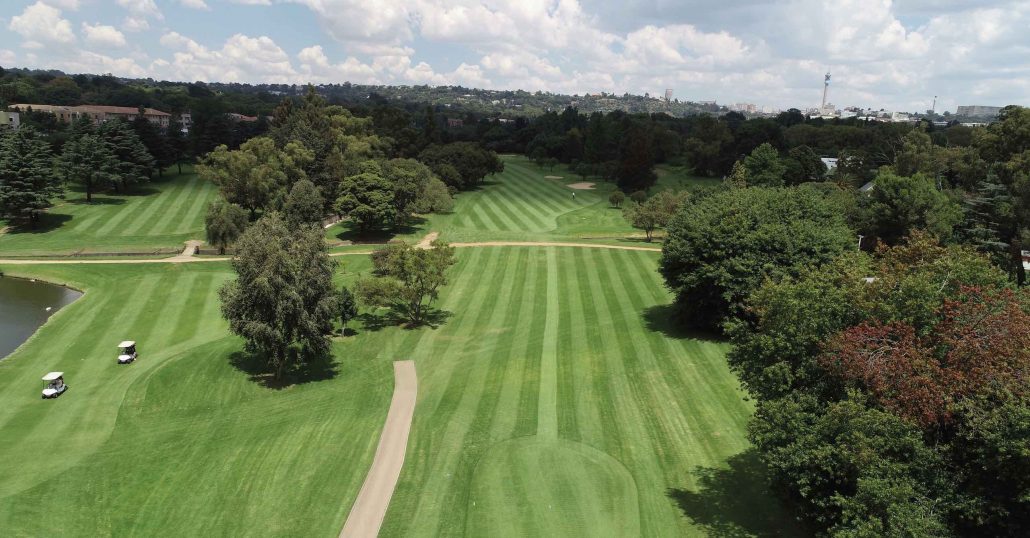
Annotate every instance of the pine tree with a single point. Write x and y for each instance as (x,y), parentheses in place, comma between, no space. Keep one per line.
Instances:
(177,146)
(988,220)
(134,163)
(27,179)
(154,141)
(88,161)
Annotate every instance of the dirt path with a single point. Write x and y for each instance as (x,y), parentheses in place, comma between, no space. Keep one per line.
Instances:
(424,243)
(369,509)
(551,244)
(188,251)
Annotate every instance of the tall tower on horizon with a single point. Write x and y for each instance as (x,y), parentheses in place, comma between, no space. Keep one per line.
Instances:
(826,88)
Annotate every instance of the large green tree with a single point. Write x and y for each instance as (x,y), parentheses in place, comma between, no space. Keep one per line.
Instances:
(721,248)
(87,161)
(304,204)
(282,301)
(224,223)
(134,163)
(765,167)
(898,204)
(655,212)
(368,199)
(409,278)
(471,162)
(28,183)
(889,392)
(257,175)
(635,169)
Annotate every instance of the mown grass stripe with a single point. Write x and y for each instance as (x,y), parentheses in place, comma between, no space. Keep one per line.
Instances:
(179,211)
(528,219)
(541,192)
(547,423)
(490,222)
(193,221)
(164,211)
(556,195)
(509,219)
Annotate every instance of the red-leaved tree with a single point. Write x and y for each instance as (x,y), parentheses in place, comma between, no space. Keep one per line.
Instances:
(980,345)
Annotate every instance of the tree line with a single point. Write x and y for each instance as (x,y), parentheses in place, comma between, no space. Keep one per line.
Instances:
(320,160)
(884,333)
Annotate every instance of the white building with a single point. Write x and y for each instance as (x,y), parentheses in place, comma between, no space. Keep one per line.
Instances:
(10,120)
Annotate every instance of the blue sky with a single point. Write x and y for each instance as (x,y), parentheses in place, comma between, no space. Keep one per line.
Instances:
(895,55)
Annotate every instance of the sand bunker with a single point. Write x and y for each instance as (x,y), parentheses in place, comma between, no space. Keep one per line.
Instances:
(581,186)
(554,177)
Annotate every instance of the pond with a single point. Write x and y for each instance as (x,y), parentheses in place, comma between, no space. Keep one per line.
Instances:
(24,308)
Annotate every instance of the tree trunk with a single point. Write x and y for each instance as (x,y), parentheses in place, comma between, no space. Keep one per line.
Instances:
(180,168)
(1016,249)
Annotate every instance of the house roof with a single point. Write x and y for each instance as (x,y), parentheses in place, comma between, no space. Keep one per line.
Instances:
(102,109)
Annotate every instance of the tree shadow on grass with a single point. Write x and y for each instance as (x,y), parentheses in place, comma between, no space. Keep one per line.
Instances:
(670,321)
(47,222)
(259,371)
(97,201)
(379,320)
(736,501)
(140,191)
(358,237)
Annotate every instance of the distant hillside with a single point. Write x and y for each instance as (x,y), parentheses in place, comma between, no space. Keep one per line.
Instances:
(56,87)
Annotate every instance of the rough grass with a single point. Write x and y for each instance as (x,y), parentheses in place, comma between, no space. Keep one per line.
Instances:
(157,215)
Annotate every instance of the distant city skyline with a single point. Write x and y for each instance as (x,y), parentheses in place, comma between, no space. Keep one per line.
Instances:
(895,55)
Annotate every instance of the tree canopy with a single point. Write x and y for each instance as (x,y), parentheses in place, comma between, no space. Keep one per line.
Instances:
(282,302)
(720,248)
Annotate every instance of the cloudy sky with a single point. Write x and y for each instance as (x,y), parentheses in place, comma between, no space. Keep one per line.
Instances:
(896,55)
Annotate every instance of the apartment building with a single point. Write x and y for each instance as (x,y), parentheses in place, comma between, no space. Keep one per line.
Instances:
(98,113)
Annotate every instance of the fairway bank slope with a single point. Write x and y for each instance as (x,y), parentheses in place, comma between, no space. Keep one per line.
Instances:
(183,442)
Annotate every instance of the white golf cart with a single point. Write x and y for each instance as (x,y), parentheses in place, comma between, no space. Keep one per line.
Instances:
(53,385)
(128,352)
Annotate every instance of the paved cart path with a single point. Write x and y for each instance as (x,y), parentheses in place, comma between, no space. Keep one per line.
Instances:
(369,509)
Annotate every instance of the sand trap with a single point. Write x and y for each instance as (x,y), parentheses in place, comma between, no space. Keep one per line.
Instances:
(581,186)
(554,177)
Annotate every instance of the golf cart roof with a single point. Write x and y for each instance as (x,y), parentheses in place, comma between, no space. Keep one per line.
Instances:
(52,376)
(127,343)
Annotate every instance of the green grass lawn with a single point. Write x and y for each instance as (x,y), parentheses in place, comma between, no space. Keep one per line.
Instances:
(522,204)
(182,442)
(554,400)
(158,215)
(556,397)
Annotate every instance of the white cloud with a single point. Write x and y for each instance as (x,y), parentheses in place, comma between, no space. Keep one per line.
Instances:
(146,8)
(135,24)
(883,53)
(7,57)
(241,59)
(195,4)
(104,36)
(70,5)
(42,25)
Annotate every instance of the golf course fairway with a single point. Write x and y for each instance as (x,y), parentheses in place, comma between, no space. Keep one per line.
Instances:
(555,398)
